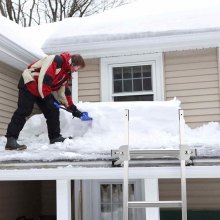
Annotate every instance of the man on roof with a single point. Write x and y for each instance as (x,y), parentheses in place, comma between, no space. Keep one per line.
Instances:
(36,85)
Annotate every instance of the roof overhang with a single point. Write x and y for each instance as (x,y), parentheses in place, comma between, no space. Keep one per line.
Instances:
(108,45)
(82,173)
(198,167)
(14,55)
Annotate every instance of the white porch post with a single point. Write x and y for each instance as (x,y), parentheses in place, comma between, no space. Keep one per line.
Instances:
(63,189)
(152,195)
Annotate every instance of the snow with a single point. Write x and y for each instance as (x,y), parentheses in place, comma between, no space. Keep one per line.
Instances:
(16,34)
(156,17)
(143,16)
(152,125)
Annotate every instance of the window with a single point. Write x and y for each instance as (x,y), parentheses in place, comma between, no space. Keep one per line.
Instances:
(111,202)
(132,78)
(103,199)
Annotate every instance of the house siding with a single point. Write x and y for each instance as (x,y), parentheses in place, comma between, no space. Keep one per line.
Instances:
(192,76)
(8,94)
(202,194)
(89,82)
(9,78)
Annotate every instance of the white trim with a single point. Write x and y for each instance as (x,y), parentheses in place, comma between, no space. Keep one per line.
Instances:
(109,173)
(152,195)
(156,60)
(75,87)
(63,199)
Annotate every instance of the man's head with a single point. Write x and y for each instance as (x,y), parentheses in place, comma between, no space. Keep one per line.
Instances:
(77,62)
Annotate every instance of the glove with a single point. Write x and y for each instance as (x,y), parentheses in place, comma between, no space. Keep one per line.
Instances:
(75,112)
(49,101)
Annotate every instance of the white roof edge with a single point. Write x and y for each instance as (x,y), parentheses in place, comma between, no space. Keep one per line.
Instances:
(70,173)
(15,55)
(141,45)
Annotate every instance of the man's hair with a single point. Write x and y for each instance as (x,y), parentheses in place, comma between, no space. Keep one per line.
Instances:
(77,60)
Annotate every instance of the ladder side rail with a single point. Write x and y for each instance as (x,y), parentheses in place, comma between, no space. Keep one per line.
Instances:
(126,165)
(183,166)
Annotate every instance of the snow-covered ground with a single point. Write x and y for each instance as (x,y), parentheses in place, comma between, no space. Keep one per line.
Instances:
(152,125)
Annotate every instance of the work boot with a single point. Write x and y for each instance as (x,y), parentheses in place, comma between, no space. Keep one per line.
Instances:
(13,145)
(58,139)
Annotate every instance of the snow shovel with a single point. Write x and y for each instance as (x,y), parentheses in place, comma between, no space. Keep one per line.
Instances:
(84,117)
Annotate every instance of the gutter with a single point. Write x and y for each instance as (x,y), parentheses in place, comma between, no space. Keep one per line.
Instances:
(109,163)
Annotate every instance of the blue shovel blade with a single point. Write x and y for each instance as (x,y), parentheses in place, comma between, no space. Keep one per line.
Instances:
(85,117)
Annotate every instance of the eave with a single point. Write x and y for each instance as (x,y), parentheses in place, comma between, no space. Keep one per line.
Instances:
(14,55)
(200,167)
(144,43)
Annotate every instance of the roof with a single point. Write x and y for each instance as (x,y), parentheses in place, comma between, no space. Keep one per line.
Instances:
(144,26)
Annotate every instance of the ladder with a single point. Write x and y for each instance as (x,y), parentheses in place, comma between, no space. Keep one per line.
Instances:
(123,155)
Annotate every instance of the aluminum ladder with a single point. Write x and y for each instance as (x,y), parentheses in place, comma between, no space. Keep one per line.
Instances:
(124,155)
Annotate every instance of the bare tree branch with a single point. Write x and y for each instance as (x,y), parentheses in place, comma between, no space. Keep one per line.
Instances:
(2,10)
(31,12)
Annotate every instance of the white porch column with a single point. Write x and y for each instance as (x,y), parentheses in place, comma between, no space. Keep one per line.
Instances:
(152,195)
(63,192)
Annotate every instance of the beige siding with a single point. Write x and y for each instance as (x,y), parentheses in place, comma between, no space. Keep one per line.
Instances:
(9,78)
(8,94)
(192,76)
(89,82)
(202,194)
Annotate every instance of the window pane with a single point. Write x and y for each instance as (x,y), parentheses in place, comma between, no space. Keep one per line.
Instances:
(117,73)
(105,193)
(147,84)
(118,86)
(131,214)
(137,84)
(137,72)
(117,196)
(117,212)
(131,192)
(134,98)
(127,72)
(127,85)
(106,213)
(147,71)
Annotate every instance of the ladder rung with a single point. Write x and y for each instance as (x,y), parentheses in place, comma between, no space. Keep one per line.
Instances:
(160,204)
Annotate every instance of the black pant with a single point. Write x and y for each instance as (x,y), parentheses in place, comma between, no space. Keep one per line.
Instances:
(25,106)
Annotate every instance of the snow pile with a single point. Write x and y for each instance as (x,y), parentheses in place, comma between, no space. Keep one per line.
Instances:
(152,125)
(94,139)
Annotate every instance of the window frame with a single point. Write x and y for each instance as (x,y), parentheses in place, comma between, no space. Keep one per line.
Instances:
(107,64)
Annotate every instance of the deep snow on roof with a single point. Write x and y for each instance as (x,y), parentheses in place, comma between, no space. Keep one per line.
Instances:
(142,18)
(152,125)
